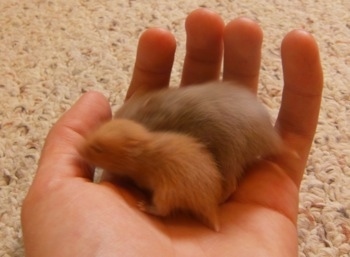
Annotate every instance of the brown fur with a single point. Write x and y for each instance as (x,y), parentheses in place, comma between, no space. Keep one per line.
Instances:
(225,116)
(179,171)
(188,145)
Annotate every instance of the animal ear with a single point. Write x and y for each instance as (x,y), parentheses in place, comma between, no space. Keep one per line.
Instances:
(130,142)
(97,148)
(135,147)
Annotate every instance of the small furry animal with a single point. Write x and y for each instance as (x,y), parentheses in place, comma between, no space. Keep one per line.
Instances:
(179,170)
(225,116)
(200,138)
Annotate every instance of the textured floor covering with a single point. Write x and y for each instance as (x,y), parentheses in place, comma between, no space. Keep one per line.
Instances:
(52,51)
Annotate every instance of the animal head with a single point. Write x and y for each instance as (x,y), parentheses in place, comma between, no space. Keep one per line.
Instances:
(116,144)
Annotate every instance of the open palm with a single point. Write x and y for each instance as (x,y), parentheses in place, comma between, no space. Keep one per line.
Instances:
(65,214)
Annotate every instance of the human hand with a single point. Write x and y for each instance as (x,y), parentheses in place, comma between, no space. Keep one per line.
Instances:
(65,214)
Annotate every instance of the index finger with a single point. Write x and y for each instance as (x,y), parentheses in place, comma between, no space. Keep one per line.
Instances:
(154,61)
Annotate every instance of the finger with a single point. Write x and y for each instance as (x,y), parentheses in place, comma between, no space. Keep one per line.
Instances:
(204,47)
(59,156)
(242,40)
(154,61)
(303,83)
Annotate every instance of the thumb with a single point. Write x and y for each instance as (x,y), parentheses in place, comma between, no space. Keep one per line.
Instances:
(59,156)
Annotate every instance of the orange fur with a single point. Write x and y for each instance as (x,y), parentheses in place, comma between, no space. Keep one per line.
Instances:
(225,116)
(187,145)
(179,171)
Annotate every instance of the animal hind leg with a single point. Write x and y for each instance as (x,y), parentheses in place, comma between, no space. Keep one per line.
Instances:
(210,218)
(159,206)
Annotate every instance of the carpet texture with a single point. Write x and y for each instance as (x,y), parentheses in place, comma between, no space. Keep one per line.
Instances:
(52,51)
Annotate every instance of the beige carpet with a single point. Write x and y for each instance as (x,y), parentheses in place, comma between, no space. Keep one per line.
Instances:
(52,51)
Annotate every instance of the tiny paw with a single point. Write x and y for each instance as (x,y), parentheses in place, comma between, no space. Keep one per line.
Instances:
(149,208)
(142,206)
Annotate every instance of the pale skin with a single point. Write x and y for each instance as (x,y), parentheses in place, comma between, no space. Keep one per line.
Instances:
(65,214)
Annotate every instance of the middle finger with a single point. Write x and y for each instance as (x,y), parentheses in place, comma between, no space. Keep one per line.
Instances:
(204,47)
